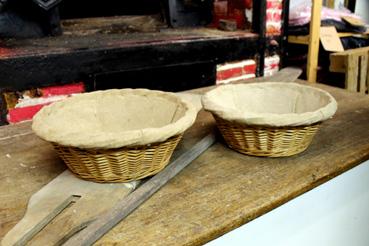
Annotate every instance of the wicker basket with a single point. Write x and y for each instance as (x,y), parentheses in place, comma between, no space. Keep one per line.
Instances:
(129,137)
(264,140)
(280,126)
(118,165)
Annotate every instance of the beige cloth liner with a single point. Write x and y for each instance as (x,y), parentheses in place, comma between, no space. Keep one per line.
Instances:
(114,118)
(270,103)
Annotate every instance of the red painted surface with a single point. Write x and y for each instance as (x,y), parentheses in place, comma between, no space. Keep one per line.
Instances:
(249,69)
(236,70)
(229,73)
(19,114)
(25,113)
(63,89)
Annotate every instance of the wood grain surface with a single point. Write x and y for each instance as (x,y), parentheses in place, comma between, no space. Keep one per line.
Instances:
(62,207)
(218,192)
(40,62)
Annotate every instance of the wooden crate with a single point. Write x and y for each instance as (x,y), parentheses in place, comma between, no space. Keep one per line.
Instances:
(354,63)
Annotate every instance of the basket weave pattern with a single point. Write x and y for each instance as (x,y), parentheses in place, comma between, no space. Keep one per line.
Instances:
(265,140)
(118,165)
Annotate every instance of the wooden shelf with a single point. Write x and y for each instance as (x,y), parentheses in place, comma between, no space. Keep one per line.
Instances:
(35,62)
(296,39)
(304,39)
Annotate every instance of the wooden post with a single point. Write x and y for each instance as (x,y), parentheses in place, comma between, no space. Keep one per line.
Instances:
(363,67)
(352,63)
(367,76)
(312,60)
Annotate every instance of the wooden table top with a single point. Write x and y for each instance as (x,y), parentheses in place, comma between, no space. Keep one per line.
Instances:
(218,192)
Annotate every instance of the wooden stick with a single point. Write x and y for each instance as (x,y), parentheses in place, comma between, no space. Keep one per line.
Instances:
(352,63)
(108,220)
(314,38)
(363,69)
(288,74)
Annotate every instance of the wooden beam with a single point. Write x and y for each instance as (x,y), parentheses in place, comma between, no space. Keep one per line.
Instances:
(363,69)
(312,60)
(367,76)
(352,63)
(352,34)
(298,39)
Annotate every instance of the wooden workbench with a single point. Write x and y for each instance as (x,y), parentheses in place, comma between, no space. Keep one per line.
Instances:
(218,192)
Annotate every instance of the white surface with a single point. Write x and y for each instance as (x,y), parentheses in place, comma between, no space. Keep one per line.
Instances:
(362,9)
(335,213)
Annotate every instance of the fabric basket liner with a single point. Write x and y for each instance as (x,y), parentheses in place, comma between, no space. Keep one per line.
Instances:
(114,118)
(275,104)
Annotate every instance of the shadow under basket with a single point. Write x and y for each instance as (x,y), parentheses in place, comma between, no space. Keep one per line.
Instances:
(265,140)
(118,165)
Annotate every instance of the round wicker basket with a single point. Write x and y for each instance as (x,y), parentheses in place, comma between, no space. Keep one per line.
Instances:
(269,119)
(115,135)
(118,165)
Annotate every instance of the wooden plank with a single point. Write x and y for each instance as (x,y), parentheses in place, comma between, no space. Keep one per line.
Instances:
(353,21)
(288,74)
(218,192)
(313,53)
(337,60)
(367,76)
(112,24)
(363,69)
(41,62)
(293,39)
(352,34)
(123,208)
(352,63)
(351,51)
(61,207)
(199,221)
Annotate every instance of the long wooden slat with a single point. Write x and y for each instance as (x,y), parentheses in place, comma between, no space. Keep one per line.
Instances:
(312,60)
(367,75)
(288,74)
(352,62)
(363,67)
(107,221)
(293,39)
